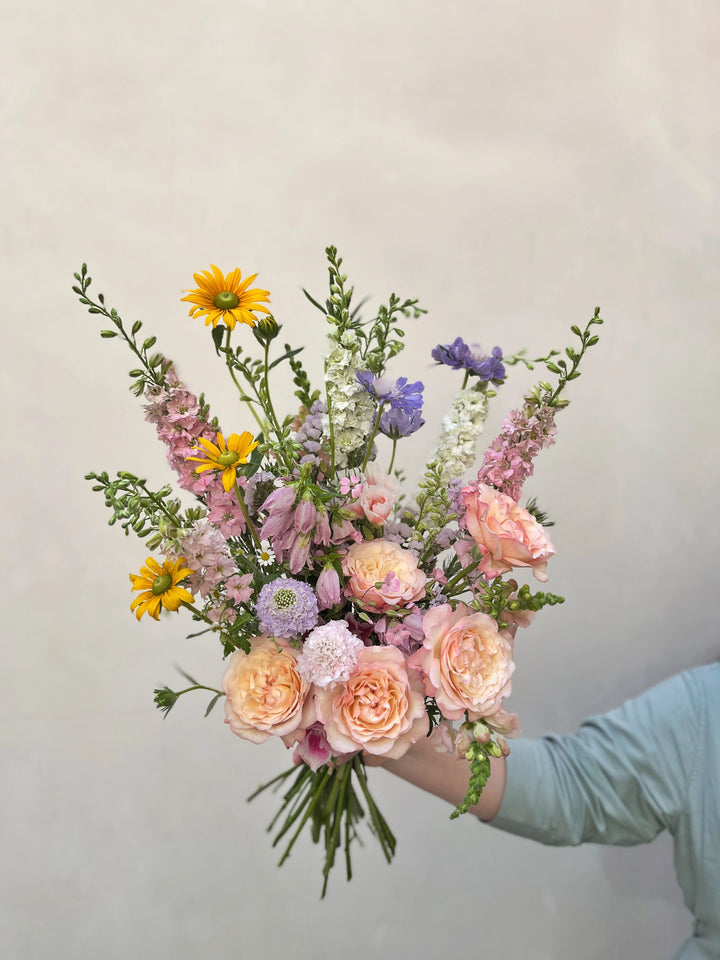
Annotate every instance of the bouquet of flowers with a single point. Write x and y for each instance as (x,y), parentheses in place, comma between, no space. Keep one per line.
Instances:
(354,619)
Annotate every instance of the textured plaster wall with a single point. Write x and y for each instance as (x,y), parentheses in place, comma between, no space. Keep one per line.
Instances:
(512,164)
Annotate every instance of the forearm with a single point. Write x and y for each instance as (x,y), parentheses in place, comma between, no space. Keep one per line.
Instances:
(446,777)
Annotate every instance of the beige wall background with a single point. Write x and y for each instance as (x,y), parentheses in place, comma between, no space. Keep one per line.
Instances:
(511,163)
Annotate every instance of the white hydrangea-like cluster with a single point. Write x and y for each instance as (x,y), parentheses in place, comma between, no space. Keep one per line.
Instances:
(352,406)
(329,654)
(461,429)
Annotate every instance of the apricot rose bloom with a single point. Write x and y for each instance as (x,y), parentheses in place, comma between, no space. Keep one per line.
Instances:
(382,562)
(265,694)
(466,662)
(508,535)
(380,708)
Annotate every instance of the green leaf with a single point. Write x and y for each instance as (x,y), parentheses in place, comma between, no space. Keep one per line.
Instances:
(314,302)
(286,356)
(213,702)
(218,333)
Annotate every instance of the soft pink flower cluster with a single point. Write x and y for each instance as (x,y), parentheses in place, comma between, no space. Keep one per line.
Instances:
(295,526)
(175,411)
(338,696)
(206,553)
(508,461)
(359,698)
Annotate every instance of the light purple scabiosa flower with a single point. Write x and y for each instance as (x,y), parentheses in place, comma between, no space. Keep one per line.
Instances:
(396,423)
(399,394)
(329,654)
(459,356)
(286,608)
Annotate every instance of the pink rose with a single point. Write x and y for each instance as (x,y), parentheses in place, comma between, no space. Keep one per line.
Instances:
(378,496)
(465,660)
(265,694)
(508,535)
(381,575)
(380,708)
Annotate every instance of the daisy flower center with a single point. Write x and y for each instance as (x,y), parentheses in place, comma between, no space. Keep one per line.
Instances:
(161,584)
(226,300)
(228,458)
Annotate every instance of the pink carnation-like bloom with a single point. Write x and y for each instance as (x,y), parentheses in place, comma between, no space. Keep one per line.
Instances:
(265,694)
(380,708)
(466,662)
(508,535)
(381,575)
(329,653)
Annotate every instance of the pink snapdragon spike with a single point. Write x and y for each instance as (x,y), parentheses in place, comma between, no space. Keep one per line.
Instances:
(225,511)
(508,461)
(175,411)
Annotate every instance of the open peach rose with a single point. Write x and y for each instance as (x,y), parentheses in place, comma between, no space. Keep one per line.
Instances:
(508,535)
(381,575)
(265,694)
(465,660)
(380,708)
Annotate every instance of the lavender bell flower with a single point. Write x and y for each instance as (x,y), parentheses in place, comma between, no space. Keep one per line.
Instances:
(328,588)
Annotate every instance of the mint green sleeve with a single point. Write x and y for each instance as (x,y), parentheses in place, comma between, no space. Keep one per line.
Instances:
(621,779)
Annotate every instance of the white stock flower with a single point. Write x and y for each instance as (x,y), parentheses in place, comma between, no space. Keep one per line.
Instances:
(460,431)
(351,407)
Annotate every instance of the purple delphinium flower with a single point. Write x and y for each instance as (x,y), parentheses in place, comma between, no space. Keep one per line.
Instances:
(459,356)
(286,608)
(396,423)
(399,394)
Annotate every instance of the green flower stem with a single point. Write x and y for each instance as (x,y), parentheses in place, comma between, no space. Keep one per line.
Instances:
(373,434)
(384,834)
(317,793)
(200,686)
(271,409)
(392,458)
(243,396)
(330,421)
(275,780)
(332,832)
(304,774)
(115,319)
(199,614)
(457,579)
(301,797)
(248,521)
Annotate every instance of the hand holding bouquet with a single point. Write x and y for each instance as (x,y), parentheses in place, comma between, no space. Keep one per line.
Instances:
(353,619)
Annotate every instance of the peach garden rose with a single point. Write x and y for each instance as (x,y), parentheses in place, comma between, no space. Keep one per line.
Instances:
(265,694)
(508,535)
(466,662)
(380,708)
(381,575)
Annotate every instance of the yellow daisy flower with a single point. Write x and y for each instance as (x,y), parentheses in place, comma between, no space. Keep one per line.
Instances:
(160,584)
(225,298)
(226,458)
